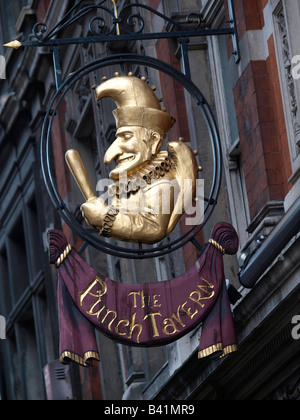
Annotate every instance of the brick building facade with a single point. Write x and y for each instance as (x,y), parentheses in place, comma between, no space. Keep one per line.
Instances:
(256,104)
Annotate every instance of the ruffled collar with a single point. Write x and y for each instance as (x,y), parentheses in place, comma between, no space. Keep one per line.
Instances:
(160,165)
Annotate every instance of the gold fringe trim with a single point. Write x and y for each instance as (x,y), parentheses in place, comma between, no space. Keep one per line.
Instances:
(229,349)
(218,246)
(64,255)
(217,348)
(78,359)
(210,350)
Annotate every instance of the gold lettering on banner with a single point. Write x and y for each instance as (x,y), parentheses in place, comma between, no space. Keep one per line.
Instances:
(98,294)
(169,324)
(153,322)
(150,301)
(128,328)
(108,311)
(177,316)
(188,311)
(126,324)
(134,298)
(134,325)
(203,288)
(155,301)
(97,314)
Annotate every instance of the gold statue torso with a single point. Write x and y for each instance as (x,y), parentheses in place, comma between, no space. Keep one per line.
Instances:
(150,192)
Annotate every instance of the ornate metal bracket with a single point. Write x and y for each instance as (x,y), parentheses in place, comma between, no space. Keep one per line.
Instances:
(109,24)
(49,179)
(126,24)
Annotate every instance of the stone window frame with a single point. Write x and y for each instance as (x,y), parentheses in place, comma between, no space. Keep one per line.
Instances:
(234,177)
(286,20)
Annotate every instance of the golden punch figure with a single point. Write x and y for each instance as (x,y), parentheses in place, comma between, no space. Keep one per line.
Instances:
(151,188)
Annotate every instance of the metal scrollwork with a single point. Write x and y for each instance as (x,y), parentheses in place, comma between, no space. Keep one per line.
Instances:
(101,26)
(128,21)
(39,30)
(109,24)
(193,20)
(72,17)
(141,21)
(132,22)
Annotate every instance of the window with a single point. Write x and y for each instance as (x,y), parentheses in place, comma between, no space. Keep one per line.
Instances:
(6,303)
(18,260)
(28,345)
(23,299)
(223,89)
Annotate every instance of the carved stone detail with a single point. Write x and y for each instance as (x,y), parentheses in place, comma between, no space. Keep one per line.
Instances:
(290,83)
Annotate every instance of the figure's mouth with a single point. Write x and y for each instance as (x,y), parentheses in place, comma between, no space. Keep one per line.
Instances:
(126,159)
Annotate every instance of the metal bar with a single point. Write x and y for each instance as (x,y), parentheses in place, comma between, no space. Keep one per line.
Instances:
(185,57)
(197,244)
(57,67)
(236,48)
(287,228)
(83,248)
(49,179)
(129,37)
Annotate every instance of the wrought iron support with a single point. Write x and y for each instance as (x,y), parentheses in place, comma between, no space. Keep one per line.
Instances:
(232,21)
(83,248)
(119,32)
(68,217)
(185,57)
(126,37)
(57,67)
(127,25)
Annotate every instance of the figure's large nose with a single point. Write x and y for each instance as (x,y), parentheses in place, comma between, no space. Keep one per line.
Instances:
(112,152)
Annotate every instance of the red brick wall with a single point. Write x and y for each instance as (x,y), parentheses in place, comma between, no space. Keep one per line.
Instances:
(248,15)
(260,116)
(174,102)
(41,10)
(172,91)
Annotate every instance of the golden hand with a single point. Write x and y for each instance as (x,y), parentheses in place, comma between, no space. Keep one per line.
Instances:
(94,211)
(95,207)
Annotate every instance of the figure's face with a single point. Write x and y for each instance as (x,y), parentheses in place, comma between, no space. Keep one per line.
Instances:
(132,149)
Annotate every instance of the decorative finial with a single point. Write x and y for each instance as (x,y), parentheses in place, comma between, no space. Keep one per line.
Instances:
(116,16)
(13,44)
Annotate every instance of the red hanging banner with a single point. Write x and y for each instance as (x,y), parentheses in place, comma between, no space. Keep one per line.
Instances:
(145,315)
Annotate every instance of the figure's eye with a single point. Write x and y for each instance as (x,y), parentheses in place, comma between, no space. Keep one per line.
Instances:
(127,136)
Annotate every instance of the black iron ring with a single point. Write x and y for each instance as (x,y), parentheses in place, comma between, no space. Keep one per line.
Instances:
(51,186)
